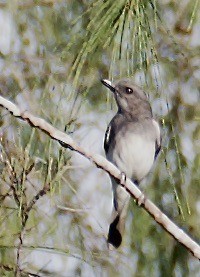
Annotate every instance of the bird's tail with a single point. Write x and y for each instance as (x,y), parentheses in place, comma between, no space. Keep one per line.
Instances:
(117,226)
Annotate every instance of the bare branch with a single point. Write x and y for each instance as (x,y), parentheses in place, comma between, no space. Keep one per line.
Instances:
(104,164)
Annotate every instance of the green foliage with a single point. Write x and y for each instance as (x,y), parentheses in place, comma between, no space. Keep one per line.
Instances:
(54,208)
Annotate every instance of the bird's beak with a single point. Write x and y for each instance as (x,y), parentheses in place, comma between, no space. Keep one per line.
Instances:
(108,84)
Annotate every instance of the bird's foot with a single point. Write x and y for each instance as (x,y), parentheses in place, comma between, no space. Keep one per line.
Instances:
(122,178)
(141,199)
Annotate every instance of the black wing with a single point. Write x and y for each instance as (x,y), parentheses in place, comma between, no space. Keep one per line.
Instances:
(158,138)
(107,138)
(113,128)
(158,147)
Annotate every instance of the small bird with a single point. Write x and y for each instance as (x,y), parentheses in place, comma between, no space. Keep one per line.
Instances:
(132,143)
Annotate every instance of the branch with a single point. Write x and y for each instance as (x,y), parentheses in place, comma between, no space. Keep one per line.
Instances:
(104,164)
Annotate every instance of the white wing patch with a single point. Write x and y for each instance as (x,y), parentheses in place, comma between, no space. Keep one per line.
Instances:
(107,136)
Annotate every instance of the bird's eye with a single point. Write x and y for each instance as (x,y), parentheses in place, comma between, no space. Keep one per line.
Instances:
(129,90)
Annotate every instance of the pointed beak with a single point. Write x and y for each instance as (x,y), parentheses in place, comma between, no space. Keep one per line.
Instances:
(108,84)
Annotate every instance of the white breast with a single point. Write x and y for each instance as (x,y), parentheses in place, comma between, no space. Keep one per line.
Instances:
(134,155)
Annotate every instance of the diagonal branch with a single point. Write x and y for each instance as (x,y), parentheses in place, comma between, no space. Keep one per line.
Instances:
(104,164)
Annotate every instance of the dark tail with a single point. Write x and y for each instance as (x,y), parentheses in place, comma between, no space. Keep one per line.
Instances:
(114,236)
(117,226)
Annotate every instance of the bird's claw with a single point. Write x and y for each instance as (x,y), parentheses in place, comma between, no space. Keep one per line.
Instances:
(141,199)
(122,178)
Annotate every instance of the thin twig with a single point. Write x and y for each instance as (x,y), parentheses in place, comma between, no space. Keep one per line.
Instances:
(104,164)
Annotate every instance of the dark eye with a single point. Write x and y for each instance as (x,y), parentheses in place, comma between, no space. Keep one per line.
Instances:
(129,90)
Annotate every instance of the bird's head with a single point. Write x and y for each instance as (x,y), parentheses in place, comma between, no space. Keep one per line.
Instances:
(130,98)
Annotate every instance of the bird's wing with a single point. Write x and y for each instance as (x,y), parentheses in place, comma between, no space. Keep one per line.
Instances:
(158,138)
(107,138)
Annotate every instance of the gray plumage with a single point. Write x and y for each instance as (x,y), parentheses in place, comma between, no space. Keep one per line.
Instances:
(132,142)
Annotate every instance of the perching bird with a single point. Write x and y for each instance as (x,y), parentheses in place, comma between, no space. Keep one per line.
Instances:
(132,142)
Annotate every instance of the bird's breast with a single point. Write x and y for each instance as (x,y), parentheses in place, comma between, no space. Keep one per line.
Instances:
(133,154)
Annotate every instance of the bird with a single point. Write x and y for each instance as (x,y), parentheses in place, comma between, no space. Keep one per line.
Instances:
(132,142)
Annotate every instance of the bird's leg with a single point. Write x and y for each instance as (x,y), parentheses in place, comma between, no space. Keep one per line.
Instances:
(141,199)
(122,183)
(122,178)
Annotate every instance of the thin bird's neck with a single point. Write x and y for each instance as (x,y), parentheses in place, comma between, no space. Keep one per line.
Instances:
(137,112)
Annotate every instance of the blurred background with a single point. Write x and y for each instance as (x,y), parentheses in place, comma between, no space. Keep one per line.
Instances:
(55,205)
